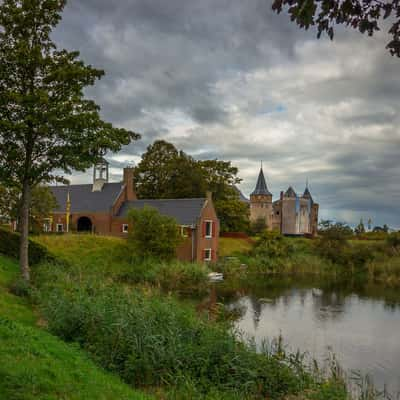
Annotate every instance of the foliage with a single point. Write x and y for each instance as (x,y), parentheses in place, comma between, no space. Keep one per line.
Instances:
(363,15)
(232,246)
(158,342)
(112,260)
(360,228)
(9,246)
(46,124)
(393,240)
(258,226)
(166,172)
(153,235)
(36,365)
(233,215)
(43,203)
(272,244)
(337,229)
(11,306)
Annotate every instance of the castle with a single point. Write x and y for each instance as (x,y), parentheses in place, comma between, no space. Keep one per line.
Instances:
(290,215)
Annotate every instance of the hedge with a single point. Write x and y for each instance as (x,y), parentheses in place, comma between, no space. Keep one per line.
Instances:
(9,246)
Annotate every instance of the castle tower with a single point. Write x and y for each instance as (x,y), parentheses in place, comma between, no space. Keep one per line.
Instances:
(261,202)
(313,212)
(100,175)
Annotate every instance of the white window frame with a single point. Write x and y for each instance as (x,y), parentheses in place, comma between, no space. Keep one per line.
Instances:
(62,228)
(210,222)
(47,228)
(125,228)
(209,258)
(184,231)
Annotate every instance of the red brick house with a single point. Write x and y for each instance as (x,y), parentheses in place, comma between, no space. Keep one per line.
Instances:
(102,208)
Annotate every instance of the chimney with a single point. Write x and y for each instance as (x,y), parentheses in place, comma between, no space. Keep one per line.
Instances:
(129,183)
(281,194)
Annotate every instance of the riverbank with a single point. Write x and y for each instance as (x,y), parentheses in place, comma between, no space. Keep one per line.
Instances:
(154,341)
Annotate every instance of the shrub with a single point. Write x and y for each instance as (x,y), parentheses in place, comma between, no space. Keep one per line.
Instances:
(9,246)
(153,235)
(151,341)
(272,245)
(393,240)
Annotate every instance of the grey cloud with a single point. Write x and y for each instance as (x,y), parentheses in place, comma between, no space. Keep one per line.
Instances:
(206,75)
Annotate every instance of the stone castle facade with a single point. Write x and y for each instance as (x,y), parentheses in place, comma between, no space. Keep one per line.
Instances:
(290,215)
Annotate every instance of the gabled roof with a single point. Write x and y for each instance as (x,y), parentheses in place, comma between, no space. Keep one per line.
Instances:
(290,192)
(307,194)
(261,186)
(83,199)
(185,211)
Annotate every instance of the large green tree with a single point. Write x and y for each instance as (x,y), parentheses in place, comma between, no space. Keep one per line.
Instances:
(42,204)
(166,172)
(364,15)
(47,126)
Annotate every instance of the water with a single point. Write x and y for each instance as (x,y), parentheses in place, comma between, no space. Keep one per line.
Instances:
(359,324)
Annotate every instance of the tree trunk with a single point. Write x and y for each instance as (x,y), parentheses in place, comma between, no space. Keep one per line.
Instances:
(24,229)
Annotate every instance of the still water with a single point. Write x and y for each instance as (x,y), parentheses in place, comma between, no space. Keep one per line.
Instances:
(359,324)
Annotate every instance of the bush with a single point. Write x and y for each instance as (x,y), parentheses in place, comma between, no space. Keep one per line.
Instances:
(9,246)
(154,235)
(151,341)
(272,245)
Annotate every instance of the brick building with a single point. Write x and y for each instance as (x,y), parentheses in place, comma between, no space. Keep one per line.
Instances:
(102,208)
(290,215)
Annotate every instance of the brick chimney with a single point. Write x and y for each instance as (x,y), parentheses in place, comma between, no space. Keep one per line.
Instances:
(129,183)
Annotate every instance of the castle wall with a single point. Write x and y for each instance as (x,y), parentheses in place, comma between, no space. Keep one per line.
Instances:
(261,207)
(289,217)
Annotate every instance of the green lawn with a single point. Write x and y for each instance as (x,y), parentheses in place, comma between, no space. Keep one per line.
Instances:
(37,365)
(231,246)
(11,306)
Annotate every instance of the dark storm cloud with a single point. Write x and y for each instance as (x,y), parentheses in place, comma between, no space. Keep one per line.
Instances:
(229,79)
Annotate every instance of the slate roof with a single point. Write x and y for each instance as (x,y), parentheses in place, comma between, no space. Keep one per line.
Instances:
(307,194)
(290,192)
(84,200)
(261,186)
(185,211)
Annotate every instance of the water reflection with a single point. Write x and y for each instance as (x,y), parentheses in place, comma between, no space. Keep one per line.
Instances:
(360,324)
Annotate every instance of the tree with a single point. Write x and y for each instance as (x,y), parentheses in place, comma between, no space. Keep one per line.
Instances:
(258,226)
(360,228)
(42,204)
(166,172)
(233,215)
(46,123)
(153,235)
(364,15)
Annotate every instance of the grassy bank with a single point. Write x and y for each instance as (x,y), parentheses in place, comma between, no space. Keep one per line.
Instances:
(111,259)
(36,365)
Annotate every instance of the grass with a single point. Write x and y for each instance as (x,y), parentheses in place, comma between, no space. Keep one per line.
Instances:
(113,260)
(231,246)
(11,306)
(37,365)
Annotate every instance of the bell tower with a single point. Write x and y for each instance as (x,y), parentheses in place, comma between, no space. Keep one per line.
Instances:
(100,174)
(261,202)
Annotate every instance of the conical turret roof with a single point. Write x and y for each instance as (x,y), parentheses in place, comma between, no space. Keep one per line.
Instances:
(261,186)
(307,194)
(290,192)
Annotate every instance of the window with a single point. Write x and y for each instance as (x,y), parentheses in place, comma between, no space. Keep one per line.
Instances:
(60,228)
(207,254)
(47,225)
(184,231)
(125,228)
(208,229)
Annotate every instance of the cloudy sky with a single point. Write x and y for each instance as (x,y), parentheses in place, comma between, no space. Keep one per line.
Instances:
(229,79)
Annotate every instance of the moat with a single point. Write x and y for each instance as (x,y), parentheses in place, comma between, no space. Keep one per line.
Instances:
(358,323)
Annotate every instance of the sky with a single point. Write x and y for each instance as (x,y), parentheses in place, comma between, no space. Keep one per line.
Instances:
(230,79)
